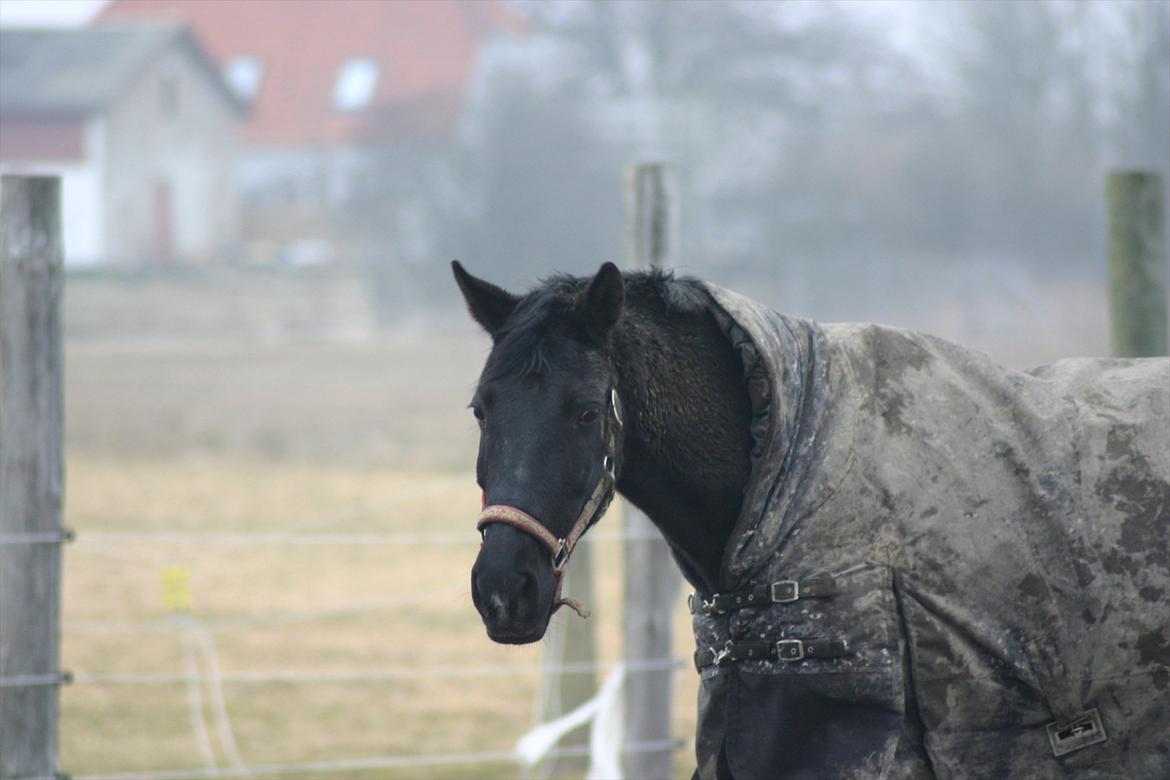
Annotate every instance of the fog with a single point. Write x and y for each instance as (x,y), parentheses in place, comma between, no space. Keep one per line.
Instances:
(267,363)
(937,165)
(934,165)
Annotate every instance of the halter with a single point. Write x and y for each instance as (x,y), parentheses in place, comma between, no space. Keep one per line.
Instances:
(561,548)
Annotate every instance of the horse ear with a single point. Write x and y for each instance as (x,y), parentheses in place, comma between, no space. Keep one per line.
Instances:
(601,306)
(489,305)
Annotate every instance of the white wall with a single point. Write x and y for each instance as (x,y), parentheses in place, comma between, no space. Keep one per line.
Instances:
(194,150)
(83,219)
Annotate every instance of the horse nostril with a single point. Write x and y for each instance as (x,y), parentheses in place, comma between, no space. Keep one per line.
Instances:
(516,583)
(523,593)
(506,595)
(508,591)
(475,596)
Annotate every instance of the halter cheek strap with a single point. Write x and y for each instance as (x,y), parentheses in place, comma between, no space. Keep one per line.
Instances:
(561,548)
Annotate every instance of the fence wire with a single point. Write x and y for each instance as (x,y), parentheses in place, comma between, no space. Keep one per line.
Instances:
(242,538)
(388,762)
(401,673)
(194,679)
(241,622)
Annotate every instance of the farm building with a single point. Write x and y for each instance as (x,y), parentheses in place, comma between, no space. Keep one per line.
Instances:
(137,122)
(349,101)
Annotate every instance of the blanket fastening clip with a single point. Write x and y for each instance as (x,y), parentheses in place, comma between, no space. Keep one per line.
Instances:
(721,655)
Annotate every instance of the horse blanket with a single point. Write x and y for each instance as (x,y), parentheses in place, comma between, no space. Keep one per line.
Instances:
(997,543)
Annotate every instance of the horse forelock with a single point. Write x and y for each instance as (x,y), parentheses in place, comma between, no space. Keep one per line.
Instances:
(523,343)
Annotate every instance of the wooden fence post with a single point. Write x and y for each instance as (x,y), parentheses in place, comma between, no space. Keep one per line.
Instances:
(650,574)
(569,640)
(1137,263)
(31,475)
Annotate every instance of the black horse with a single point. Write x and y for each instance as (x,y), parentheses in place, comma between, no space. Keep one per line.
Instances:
(907,561)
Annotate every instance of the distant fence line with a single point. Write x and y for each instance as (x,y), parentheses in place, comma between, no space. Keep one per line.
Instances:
(390,762)
(399,673)
(216,679)
(243,538)
(166,626)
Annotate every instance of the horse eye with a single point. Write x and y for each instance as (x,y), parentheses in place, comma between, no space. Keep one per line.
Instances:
(588,416)
(478,413)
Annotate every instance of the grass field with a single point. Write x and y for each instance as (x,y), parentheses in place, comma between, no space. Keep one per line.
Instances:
(278,607)
(180,420)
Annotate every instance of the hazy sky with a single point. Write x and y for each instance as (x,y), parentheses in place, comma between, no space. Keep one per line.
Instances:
(897,15)
(56,13)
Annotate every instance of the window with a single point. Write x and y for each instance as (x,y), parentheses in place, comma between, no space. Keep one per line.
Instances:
(243,75)
(357,81)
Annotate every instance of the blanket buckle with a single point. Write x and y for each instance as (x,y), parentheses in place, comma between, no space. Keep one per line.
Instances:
(785,591)
(790,650)
(1079,732)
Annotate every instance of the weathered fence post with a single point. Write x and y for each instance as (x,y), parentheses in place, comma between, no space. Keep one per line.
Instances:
(651,577)
(1137,263)
(31,474)
(569,641)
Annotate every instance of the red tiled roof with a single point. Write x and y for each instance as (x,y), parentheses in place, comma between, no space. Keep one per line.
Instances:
(425,49)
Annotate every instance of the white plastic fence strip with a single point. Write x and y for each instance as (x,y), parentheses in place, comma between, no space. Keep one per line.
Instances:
(227,736)
(607,732)
(604,746)
(195,698)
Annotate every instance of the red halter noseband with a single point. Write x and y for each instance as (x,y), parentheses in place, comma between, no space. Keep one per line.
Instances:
(561,548)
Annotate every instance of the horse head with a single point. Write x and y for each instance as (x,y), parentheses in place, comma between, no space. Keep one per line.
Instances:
(550,424)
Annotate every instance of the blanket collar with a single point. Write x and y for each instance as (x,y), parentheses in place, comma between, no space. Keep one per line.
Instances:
(804,411)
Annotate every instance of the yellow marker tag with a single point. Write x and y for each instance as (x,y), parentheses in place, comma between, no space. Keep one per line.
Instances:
(177,588)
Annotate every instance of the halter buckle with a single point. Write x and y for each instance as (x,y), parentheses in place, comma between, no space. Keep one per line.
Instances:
(560,555)
(719,656)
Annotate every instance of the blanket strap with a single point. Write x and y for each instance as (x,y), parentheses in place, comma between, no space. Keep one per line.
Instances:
(818,586)
(787,650)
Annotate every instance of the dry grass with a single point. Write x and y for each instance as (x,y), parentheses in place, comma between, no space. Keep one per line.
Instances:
(396,399)
(395,607)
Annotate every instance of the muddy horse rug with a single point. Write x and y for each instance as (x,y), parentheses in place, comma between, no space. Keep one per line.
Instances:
(943,568)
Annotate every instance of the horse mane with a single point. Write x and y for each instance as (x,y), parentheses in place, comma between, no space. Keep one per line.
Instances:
(520,343)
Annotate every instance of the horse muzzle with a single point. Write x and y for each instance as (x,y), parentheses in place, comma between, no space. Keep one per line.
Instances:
(510,592)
